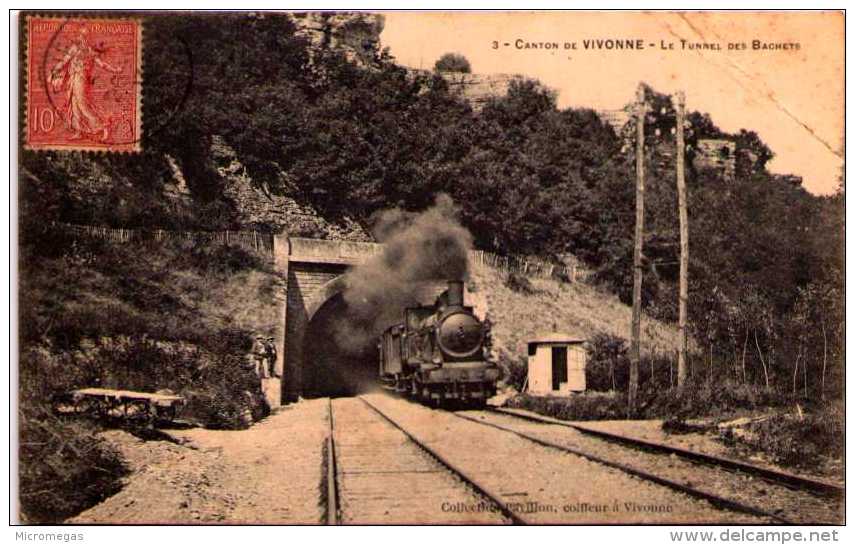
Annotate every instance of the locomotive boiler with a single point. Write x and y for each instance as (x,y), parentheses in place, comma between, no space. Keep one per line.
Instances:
(439,353)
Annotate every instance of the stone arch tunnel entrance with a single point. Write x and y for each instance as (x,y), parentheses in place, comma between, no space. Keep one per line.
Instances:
(314,360)
(333,364)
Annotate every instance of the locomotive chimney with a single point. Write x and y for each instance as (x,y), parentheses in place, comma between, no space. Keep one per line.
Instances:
(455,293)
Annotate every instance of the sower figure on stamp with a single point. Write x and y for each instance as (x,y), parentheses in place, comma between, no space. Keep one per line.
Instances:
(259,354)
(74,75)
(271,356)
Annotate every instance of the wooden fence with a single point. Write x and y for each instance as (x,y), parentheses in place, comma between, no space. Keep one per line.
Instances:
(524,266)
(263,243)
(251,240)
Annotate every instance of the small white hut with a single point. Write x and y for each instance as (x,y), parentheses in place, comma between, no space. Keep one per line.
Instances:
(556,364)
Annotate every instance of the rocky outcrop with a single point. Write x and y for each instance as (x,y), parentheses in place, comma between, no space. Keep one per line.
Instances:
(716,154)
(356,34)
(258,208)
(617,119)
(479,88)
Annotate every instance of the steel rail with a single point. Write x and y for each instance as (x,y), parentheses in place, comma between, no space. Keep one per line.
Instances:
(775,476)
(722,503)
(462,475)
(333,517)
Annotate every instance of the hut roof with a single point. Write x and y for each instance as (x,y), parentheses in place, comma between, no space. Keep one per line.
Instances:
(556,337)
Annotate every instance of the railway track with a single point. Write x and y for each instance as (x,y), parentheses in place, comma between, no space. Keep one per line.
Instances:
(377,473)
(778,496)
(784,478)
(542,482)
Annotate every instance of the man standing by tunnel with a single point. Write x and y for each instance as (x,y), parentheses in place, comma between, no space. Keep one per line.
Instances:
(259,353)
(270,354)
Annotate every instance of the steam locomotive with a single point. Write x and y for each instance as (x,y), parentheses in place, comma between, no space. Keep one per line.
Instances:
(438,354)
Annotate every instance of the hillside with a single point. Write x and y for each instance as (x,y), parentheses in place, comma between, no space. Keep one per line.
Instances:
(577,308)
(128,316)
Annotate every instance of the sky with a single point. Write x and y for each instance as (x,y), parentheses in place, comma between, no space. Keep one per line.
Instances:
(793,98)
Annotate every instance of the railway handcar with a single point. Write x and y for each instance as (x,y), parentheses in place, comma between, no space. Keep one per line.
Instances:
(439,353)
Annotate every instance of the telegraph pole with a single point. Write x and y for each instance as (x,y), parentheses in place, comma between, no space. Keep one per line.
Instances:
(635,344)
(684,240)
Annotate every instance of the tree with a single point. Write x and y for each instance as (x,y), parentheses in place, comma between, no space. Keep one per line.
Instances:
(453,62)
(752,153)
(817,323)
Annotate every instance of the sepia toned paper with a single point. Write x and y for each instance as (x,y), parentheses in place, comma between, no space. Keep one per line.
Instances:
(430,268)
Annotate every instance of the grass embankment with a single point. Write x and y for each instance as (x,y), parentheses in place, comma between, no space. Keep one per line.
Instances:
(141,317)
(521,313)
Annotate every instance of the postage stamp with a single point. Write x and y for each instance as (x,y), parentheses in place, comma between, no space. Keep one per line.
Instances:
(83,84)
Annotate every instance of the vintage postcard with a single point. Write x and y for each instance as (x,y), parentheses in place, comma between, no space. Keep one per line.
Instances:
(479,268)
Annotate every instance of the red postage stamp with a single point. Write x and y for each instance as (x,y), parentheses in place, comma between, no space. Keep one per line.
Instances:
(83,84)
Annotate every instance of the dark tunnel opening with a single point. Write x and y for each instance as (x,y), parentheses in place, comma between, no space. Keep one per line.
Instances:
(332,367)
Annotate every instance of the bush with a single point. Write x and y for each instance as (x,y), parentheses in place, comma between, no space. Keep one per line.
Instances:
(695,400)
(584,406)
(797,443)
(514,370)
(231,398)
(221,259)
(706,398)
(608,364)
(63,467)
(520,284)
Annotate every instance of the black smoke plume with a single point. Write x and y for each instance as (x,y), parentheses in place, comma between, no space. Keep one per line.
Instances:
(430,246)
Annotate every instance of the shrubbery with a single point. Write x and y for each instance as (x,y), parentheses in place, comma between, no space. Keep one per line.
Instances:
(138,317)
(713,390)
(788,440)
(63,466)
(798,442)
(585,406)
(608,366)
(721,399)
(520,283)
(453,62)
(608,363)
(514,370)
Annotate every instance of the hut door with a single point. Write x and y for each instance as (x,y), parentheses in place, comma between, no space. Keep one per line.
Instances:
(559,366)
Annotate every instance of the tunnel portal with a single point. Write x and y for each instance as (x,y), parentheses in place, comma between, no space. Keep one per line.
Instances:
(334,365)
(314,360)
